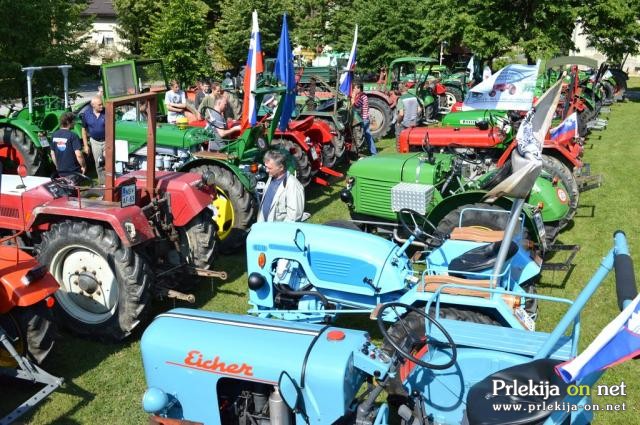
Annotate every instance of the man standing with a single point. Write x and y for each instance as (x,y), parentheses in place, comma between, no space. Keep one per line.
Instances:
(283,197)
(217,124)
(360,102)
(204,89)
(66,149)
(176,102)
(408,111)
(93,131)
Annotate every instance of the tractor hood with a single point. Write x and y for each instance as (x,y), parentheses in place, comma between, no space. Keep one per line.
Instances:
(414,138)
(469,118)
(166,135)
(397,167)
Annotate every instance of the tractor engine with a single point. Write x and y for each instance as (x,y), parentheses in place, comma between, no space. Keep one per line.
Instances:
(218,368)
(167,159)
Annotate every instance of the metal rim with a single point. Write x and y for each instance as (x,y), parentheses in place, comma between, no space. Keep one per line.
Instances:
(450,100)
(89,289)
(376,119)
(225,216)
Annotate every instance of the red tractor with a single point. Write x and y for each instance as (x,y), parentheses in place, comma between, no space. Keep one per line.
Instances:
(27,332)
(112,248)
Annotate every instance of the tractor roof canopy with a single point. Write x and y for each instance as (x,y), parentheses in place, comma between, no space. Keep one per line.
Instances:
(572,60)
(133,77)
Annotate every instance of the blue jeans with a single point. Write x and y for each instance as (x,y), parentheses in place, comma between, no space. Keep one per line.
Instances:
(369,138)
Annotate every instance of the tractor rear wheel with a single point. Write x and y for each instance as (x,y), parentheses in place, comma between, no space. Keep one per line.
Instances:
(413,324)
(379,117)
(198,240)
(303,165)
(17,149)
(105,287)
(329,157)
(337,139)
(556,168)
(32,333)
(236,208)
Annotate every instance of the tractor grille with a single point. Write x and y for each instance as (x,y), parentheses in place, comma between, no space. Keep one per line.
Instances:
(374,198)
(9,212)
(329,270)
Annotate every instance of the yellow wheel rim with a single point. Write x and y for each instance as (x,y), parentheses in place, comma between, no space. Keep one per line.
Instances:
(226,216)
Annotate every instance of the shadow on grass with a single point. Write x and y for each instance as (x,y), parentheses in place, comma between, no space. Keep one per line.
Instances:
(557,279)
(583,211)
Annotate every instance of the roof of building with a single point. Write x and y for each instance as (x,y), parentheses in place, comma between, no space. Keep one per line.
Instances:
(100,8)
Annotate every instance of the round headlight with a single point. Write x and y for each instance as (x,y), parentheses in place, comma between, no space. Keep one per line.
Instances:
(262,144)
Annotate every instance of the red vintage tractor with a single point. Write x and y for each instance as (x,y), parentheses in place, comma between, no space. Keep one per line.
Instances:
(27,332)
(112,248)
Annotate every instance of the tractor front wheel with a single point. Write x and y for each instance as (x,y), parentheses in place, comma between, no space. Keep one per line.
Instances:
(17,149)
(236,208)
(379,117)
(31,331)
(556,168)
(452,96)
(105,287)
(198,240)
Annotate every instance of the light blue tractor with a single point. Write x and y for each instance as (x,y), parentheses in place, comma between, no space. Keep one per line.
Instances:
(215,368)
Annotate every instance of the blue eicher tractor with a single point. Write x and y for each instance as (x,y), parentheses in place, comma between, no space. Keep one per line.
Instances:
(216,368)
(308,272)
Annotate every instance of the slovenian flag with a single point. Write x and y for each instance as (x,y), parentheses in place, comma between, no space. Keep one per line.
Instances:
(254,66)
(567,130)
(618,342)
(347,76)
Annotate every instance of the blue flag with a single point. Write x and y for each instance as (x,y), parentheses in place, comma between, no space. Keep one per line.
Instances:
(285,74)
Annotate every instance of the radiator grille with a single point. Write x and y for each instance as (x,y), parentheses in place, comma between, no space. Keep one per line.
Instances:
(9,212)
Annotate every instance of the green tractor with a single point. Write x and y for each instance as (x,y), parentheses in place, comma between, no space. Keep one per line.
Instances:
(24,132)
(416,74)
(440,186)
(235,164)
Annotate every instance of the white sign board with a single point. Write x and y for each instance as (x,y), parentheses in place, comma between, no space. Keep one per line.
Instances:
(511,88)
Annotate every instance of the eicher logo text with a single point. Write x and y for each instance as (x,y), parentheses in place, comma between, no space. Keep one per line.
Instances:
(196,359)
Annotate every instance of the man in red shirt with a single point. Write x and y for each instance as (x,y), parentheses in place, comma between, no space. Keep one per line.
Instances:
(360,101)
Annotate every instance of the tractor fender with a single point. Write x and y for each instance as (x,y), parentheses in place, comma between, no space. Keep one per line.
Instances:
(390,100)
(95,211)
(587,102)
(569,157)
(450,203)
(297,137)
(26,127)
(244,180)
(15,293)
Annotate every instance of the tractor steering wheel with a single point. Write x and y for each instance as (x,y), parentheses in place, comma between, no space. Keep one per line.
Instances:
(401,348)
(418,224)
(80,178)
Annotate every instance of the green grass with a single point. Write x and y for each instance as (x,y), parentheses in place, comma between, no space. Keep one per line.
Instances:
(105,383)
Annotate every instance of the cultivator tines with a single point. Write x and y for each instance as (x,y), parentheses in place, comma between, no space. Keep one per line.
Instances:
(563,265)
(27,371)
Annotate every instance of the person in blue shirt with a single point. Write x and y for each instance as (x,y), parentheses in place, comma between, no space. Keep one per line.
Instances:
(66,149)
(93,131)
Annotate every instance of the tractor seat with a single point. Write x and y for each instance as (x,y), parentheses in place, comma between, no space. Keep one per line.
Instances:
(481,258)
(481,400)
(476,234)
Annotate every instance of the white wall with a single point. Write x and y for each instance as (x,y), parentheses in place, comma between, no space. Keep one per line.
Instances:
(631,66)
(105,40)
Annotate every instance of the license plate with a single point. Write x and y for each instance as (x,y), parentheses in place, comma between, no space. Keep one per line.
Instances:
(524,318)
(314,154)
(128,195)
(537,218)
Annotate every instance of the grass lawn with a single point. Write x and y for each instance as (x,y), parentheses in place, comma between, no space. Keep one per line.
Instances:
(105,383)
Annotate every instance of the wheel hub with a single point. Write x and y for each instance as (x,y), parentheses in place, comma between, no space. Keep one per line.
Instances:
(88,282)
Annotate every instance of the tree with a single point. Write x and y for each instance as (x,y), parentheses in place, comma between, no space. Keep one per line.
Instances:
(612,27)
(232,31)
(134,21)
(179,35)
(34,32)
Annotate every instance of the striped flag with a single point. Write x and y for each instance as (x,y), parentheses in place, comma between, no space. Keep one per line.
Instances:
(619,341)
(567,130)
(347,77)
(254,66)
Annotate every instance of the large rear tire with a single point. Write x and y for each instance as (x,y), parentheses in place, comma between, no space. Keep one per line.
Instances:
(17,149)
(337,139)
(379,117)
(105,287)
(198,240)
(236,207)
(32,333)
(556,168)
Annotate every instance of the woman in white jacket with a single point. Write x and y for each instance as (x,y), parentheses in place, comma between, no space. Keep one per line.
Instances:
(283,197)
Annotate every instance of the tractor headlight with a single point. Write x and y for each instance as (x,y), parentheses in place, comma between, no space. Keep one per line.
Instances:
(155,400)
(346,196)
(256,281)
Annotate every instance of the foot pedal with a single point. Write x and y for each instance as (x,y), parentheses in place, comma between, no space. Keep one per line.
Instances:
(565,265)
